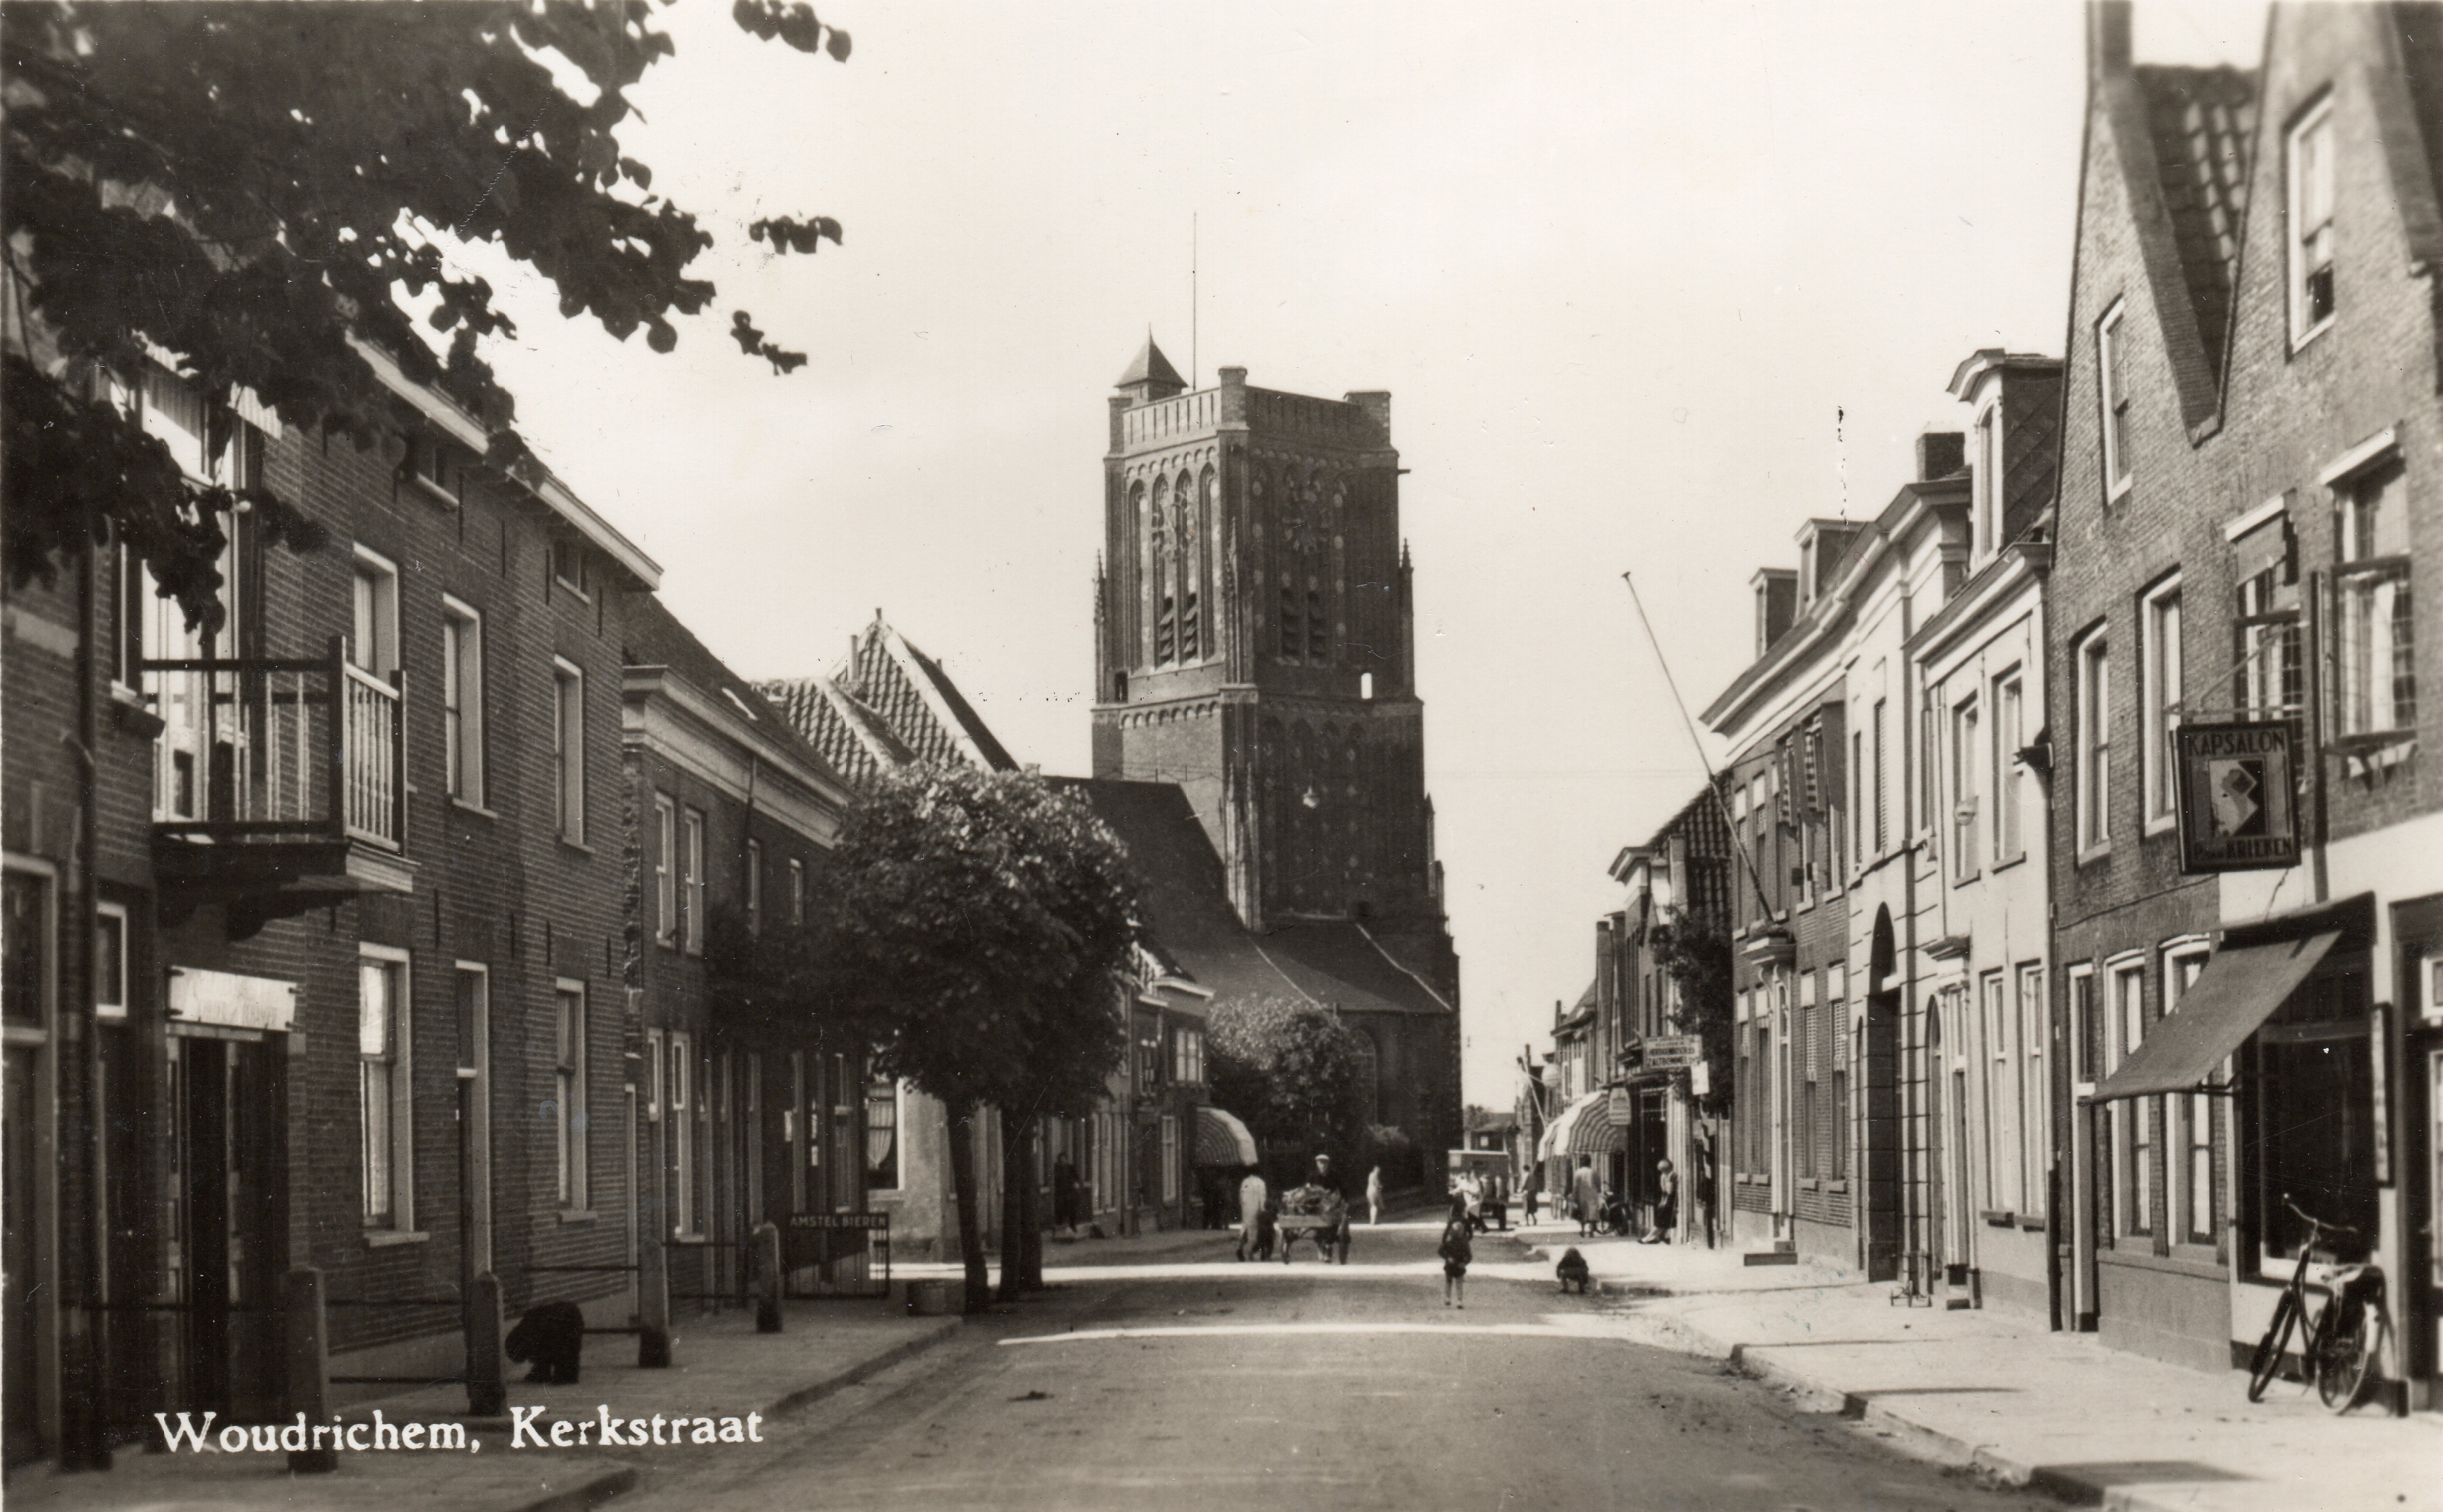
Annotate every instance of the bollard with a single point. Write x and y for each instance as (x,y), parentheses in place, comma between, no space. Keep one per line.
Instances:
(487,1393)
(767,1278)
(652,1306)
(309,1365)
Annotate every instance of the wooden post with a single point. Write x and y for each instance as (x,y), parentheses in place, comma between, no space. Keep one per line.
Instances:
(653,1305)
(487,1393)
(309,1366)
(767,1278)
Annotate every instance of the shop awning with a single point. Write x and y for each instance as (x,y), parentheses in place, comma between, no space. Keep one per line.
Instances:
(1222,1139)
(2238,990)
(1583,1128)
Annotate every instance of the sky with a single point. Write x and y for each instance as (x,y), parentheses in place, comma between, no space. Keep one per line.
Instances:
(1650,285)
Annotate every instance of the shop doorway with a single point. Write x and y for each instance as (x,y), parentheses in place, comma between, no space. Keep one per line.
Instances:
(226,1199)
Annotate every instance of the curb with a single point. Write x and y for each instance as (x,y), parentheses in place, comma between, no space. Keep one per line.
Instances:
(871,1366)
(1923,1442)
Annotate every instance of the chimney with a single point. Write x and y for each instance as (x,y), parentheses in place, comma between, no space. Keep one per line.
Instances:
(2108,38)
(1940,453)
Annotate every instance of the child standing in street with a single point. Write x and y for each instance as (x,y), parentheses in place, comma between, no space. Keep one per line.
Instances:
(1456,1252)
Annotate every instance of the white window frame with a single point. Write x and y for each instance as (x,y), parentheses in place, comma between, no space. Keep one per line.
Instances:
(654,1048)
(691,881)
(2034,1093)
(2008,719)
(2113,400)
(568,747)
(108,1008)
(572,1169)
(373,606)
(2369,584)
(568,549)
(1985,481)
(681,1087)
(476,1064)
(2186,1116)
(2133,1193)
(666,892)
(797,891)
(2161,692)
(462,700)
(2091,761)
(898,1134)
(427,454)
(1967,756)
(398,1058)
(1997,1090)
(2308,239)
(754,887)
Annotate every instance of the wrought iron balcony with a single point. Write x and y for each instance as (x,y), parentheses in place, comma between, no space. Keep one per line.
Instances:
(281,785)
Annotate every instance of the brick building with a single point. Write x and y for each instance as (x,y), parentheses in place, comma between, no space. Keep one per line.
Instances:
(748,1112)
(317,927)
(2245,510)
(1255,647)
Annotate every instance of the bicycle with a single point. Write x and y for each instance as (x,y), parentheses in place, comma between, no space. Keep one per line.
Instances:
(2342,1342)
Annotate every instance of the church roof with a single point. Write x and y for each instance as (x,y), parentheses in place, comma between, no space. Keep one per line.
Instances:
(1150,366)
(1330,962)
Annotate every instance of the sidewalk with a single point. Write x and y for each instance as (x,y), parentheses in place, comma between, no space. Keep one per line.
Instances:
(725,1369)
(1996,1388)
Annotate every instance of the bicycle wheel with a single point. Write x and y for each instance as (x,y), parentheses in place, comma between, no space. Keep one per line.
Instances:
(2268,1360)
(2346,1366)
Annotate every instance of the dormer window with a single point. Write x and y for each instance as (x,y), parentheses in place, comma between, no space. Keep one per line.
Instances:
(2112,389)
(2309,162)
(433,464)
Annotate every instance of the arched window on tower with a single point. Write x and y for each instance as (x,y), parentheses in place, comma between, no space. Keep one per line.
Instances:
(1119,687)
(1166,627)
(1191,529)
(1209,539)
(1143,523)
(1365,685)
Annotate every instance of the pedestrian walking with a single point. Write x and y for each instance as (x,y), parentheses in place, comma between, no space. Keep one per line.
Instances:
(1586,1197)
(1456,1252)
(1667,1202)
(1374,1195)
(1533,1196)
(1251,1214)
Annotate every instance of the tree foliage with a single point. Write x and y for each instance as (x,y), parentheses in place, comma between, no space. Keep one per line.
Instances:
(254,190)
(981,938)
(1698,959)
(1292,1070)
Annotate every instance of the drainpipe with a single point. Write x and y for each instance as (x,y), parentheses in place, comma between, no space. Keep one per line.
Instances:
(86,1431)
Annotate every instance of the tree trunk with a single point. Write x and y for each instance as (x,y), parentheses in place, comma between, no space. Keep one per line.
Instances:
(1014,1184)
(961,1121)
(1030,1209)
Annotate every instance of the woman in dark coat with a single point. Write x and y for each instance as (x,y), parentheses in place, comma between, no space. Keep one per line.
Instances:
(1456,1251)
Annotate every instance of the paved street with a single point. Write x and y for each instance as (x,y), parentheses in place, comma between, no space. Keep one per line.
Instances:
(1196,1381)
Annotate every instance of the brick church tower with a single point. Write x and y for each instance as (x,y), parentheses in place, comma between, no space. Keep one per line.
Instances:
(1254,646)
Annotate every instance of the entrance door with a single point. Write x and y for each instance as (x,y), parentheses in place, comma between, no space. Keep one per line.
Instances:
(229,1108)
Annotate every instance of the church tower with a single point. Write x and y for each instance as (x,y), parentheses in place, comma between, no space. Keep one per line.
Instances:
(1254,645)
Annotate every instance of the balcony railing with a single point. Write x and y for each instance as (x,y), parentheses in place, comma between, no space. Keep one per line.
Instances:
(272,749)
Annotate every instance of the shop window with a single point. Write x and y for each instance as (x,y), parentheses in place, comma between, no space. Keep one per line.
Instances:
(882,1101)
(2310,1087)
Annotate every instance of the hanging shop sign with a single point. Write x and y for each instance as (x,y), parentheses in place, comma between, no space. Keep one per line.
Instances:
(2238,807)
(1672,1052)
(1619,1109)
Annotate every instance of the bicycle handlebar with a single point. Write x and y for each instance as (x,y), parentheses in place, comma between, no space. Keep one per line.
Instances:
(2314,1223)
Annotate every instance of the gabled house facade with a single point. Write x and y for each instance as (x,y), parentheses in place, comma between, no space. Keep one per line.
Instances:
(2244,514)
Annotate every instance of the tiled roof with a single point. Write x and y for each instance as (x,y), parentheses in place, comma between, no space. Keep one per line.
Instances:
(2203,121)
(1188,912)
(886,704)
(852,737)
(1151,364)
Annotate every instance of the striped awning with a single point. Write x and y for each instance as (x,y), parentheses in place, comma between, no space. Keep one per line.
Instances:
(1222,1139)
(1583,1128)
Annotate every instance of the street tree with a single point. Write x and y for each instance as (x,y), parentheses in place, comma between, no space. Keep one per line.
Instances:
(982,935)
(1291,1069)
(256,192)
